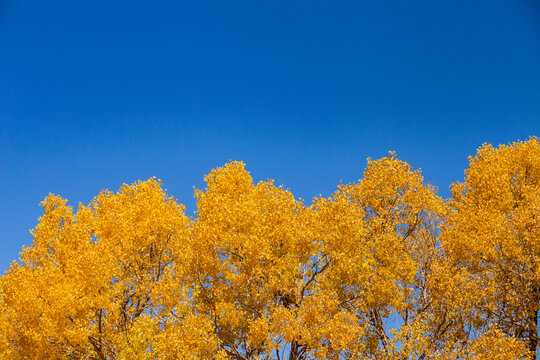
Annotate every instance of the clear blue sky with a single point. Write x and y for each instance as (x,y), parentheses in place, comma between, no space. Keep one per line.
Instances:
(94,94)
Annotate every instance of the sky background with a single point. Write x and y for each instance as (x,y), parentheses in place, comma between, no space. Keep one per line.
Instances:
(94,94)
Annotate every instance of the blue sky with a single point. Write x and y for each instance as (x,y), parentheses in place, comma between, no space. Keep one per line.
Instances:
(98,93)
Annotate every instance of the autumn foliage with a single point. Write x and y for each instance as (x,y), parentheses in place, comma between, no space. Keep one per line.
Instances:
(382,269)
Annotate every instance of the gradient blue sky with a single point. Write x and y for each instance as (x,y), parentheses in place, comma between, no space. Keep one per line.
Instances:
(97,93)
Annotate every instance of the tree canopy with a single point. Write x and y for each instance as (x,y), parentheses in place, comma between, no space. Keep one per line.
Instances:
(382,269)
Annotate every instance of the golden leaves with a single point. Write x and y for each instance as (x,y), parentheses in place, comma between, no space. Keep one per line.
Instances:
(492,238)
(382,269)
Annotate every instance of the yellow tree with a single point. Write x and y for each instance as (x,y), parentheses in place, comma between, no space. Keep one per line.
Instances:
(492,240)
(258,268)
(382,235)
(93,285)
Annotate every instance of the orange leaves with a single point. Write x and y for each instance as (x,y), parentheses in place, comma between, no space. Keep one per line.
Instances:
(88,277)
(495,345)
(492,236)
(370,272)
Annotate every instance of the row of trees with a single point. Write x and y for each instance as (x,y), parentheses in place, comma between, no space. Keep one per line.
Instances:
(382,269)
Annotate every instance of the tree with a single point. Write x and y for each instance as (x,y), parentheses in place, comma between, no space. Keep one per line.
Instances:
(492,239)
(382,233)
(95,284)
(382,269)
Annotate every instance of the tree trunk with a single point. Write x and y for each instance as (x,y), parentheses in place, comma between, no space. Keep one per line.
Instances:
(533,333)
(293,355)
